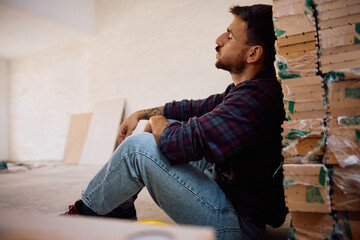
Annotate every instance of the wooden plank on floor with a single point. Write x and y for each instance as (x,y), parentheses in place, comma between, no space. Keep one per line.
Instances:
(78,129)
(101,139)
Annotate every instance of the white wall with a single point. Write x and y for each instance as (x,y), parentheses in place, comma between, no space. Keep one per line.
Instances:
(148,52)
(25,32)
(77,14)
(4,156)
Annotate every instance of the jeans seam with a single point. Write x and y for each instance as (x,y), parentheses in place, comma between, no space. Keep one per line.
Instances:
(106,176)
(159,165)
(174,177)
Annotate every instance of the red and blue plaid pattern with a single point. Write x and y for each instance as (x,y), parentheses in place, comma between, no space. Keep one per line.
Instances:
(239,132)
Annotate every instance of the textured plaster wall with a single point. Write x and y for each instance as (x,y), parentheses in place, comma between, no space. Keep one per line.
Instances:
(4,81)
(148,52)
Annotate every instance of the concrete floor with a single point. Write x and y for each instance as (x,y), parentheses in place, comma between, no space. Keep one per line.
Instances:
(49,188)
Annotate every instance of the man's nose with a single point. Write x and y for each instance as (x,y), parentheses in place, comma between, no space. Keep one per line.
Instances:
(220,40)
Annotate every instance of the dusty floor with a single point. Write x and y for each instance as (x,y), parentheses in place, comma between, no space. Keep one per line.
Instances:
(49,188)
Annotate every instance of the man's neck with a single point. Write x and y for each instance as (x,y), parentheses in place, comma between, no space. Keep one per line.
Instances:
(245,75)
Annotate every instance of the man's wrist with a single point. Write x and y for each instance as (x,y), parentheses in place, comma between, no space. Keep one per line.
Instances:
(158,124)
(146,114)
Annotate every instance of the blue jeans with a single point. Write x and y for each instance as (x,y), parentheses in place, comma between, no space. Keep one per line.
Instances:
(186,192)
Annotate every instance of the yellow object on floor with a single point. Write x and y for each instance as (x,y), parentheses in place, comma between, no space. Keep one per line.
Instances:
(151,222)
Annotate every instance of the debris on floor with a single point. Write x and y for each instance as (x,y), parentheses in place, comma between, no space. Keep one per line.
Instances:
(3,166)
(13,167)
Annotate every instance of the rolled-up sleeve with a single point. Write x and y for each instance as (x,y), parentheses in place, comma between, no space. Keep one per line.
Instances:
(186,109)
(219,134)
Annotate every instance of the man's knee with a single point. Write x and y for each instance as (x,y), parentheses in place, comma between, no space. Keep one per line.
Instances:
(139,141)
(142,137)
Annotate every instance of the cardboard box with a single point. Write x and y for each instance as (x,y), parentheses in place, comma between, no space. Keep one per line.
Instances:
(343,141)
(297,110)
(339,12)
(345,194)
(342,75)
(325,68)
(297,39)
(286,26)
(339,36)
(299,47)
(299,64)
(303,140)
(310,226)
(349,224)
(316,226)
(340,57)
(344,97)
(307,187)
(292,7)
(303,89)
(339,49)
(340,21)
(325,6)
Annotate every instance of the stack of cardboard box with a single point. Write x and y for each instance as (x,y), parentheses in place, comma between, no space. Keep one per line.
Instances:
(339,51)
(297,65)
(321,139)
(296,46)
(342,152)
(339,34)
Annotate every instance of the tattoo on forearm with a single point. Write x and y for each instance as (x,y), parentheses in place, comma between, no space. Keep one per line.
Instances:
(148,113)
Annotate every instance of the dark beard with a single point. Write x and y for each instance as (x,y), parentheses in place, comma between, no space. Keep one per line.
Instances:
(239,68)
(221,65)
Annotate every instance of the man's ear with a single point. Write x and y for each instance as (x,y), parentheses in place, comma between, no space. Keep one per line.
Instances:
(255,54)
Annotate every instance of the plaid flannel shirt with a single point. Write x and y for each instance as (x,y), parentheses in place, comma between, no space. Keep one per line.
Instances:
(239,132)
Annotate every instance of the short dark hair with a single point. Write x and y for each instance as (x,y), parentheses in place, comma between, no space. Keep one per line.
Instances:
(260,29)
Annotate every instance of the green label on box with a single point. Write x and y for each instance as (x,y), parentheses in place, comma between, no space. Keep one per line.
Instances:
(309,4)
(279,32)
(356,40)
(357,135)
(287,182)
(291,106)
(357,28)
(350,120)
(295,133)
(352,93)
(313,195)
(334,76)
(322,176)
(347,229)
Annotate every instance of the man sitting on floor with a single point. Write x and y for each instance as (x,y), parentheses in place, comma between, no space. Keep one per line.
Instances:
(217,164)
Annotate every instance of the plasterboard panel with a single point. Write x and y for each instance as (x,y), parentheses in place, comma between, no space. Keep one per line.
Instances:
(78,129)
(101,138)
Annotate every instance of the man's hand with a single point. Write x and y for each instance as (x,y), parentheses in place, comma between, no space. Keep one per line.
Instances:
(157,125)
(127,127)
